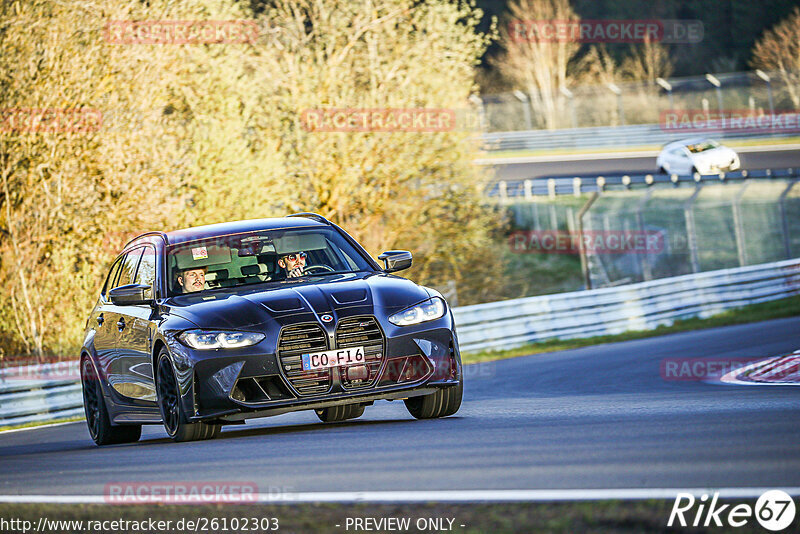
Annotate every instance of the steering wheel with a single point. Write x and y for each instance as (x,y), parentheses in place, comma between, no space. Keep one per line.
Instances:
(312,267)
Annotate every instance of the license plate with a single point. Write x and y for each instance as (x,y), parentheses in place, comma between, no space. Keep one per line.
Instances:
(333,358)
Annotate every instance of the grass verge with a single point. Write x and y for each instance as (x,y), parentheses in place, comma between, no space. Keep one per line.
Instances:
(568,517)
(788,307)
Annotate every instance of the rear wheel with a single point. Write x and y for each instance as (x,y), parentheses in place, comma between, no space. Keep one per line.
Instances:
(169,402)
(340,413)
(100,427)
(444,402)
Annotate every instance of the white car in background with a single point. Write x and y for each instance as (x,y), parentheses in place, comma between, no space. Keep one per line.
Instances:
(697,155)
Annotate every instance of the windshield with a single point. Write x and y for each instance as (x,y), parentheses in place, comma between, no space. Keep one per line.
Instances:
(702,146)
(286,255)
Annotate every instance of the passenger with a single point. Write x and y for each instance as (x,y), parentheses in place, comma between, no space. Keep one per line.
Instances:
(192,280)
(294,264)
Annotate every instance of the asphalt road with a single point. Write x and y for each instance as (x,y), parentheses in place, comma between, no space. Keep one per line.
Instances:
(604,164)
(597,417)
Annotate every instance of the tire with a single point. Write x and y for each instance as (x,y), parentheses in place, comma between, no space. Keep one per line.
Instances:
(340,413)
(175,420)
(444,402)
(97,420)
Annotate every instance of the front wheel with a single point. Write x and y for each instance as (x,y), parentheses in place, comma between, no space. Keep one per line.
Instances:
(340,413)
(169,403)
(100,428)
(444,402)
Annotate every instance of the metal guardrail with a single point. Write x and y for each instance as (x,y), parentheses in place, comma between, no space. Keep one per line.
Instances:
(515,190)
(495,325)
(35,393)
(604,136)
(613,310)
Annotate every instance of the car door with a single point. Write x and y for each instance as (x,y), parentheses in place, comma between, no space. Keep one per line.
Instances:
(117,361)
(136,335)
(683,163)
(104,319)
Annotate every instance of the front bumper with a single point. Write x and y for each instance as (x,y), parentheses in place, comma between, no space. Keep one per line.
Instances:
(230,387)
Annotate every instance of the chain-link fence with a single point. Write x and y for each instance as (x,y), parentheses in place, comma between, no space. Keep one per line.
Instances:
(642,102)
(644,234)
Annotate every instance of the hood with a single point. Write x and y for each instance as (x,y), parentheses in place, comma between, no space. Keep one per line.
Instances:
(715,155)
(264,305)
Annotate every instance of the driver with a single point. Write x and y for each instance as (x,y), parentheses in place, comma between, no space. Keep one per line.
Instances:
(191,280)
(294,264)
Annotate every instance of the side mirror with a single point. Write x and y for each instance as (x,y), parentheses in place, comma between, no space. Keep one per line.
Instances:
(129,294)
(395,260)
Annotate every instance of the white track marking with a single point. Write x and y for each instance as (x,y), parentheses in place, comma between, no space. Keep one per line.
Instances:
(48,425)
(467,496)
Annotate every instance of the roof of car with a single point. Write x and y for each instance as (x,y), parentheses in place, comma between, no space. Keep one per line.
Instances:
(235,227)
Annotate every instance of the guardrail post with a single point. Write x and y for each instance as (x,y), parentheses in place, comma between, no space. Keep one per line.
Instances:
(647,271)
(576,186)
(551,188)
(787,244)
(528,192)
(581,246)
(691,234)
(738,225)
(503,188)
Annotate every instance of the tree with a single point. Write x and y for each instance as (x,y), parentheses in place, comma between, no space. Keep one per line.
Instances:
(778,49)
(196,134)
(646,62)
(536,61)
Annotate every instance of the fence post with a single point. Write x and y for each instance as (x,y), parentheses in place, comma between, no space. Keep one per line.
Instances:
(787,244)
(738,225)
(691,234)
(647,271)
(581,246)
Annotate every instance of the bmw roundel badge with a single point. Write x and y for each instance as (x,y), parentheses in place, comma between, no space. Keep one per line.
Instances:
(326,318)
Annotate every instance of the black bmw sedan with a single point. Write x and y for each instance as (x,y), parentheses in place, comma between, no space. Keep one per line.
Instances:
(209,326)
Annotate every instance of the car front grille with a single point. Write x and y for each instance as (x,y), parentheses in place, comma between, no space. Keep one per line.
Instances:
(361,332)
(292,343)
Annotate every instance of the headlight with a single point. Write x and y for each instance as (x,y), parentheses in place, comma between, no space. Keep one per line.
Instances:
(205,340)
(431,309)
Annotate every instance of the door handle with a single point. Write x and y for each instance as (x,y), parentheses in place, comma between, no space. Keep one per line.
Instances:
(121,324)
(100,319)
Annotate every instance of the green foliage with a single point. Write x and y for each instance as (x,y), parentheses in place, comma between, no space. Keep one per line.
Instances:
(200,133)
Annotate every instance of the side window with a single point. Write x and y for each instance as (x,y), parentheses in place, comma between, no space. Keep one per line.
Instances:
(112,275)
(146,274)
(128,269)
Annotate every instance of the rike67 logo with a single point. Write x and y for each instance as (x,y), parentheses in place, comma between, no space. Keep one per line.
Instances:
(774,510)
